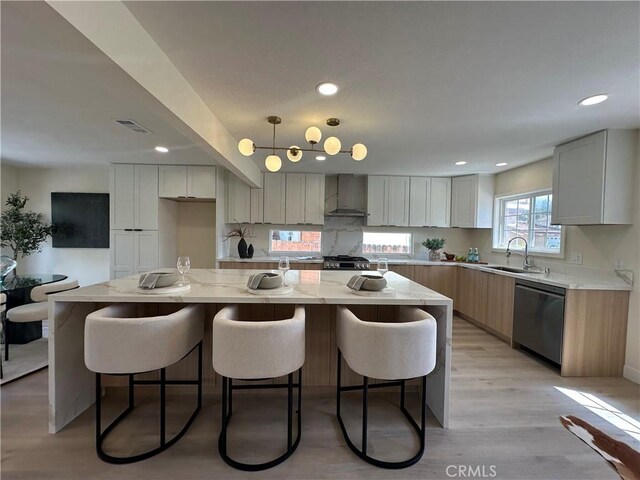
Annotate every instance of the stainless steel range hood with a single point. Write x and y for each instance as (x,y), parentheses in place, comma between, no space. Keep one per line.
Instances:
(345,195)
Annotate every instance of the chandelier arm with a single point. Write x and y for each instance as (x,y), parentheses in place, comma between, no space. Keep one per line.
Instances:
(274,148)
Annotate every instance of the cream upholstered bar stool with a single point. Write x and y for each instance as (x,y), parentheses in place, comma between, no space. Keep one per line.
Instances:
(258,350)
(398,350)
(119,342)
(37,311)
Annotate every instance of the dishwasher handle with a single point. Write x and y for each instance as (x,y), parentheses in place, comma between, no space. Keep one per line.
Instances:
(545,292)
(541,287)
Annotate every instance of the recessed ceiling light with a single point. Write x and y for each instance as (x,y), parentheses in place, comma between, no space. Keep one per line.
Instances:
(502,164)
(161,149)
(321,158)
(461,163)
(327,88)
(593,100)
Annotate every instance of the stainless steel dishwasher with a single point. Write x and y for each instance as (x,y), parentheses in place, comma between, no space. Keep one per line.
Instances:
(538,318)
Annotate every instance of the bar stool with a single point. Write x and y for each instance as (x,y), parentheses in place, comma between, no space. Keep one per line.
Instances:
(250,350)
(118,342)
(37,311)
(399,350)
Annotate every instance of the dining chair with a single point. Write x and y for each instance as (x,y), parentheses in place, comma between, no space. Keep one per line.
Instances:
(37,311)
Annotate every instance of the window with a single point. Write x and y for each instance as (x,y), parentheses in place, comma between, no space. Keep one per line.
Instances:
(529,216)
(295,241)
(388,243)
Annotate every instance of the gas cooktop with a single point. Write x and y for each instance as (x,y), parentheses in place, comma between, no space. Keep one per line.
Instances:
(345,262)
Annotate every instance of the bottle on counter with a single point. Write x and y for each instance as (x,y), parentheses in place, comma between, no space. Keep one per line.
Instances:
(470,255)
(476,255)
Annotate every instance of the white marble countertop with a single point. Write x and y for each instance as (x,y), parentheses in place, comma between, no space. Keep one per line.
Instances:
(229,286)
(603,281)
(570,282)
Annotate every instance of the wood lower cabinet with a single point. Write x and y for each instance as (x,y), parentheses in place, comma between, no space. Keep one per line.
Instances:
(595,333)
(407,271)
(441,279)
(268,265)
(486,299)
(499,302)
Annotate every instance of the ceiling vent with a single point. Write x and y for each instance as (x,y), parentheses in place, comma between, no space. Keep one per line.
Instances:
(133,126)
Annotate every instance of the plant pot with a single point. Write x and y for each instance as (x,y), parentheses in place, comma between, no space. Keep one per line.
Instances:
(242,248)
(434,255)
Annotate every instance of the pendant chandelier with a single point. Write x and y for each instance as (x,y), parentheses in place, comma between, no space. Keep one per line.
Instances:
(313,135)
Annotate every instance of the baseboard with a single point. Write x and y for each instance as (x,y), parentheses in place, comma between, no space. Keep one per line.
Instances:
(631,373)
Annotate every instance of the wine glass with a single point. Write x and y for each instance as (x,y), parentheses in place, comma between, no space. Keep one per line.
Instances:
(184,264)
(283,266)
(383,266)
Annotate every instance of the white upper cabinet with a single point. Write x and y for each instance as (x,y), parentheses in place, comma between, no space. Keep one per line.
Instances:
(440,202)
(257,205)
(180,181)
(398,213)
(593,179)
(314,199)
(238,200)
(134,197)
(388,201)
(201,182)
(304,199)
(472,201)
(377,200)
(295,186)
(429,202)
(274,198)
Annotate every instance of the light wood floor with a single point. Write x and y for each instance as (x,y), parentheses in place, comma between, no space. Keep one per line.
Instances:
(504,412)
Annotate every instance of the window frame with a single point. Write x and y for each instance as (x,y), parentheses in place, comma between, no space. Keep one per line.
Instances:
(498,225)
(295,252)
(387,254)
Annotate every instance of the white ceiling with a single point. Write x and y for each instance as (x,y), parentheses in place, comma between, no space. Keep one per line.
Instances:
(60,96)
(423,84)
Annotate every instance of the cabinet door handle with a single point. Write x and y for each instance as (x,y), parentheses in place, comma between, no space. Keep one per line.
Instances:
(128,229)
(137,229)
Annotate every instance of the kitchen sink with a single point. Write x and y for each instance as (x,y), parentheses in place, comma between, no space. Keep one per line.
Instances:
(514,269)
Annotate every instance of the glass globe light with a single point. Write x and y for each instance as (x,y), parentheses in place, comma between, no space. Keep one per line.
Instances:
(358,152)
(332,145)
(294,153)
(313,135)
(273,163)
(246,147)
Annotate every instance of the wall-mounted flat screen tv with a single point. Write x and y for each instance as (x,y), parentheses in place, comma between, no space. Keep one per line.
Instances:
(81,220)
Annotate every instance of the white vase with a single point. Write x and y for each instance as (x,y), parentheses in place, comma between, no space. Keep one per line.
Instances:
(434,255)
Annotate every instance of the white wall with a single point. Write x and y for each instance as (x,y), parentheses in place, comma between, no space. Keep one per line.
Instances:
(9,181)
(196,233)
(88,265)
(601,246)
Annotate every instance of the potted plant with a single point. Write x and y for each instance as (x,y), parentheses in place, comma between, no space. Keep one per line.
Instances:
(434,245)
(240,232)
(23,232)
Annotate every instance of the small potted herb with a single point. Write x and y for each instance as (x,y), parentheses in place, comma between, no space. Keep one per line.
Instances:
(434,245)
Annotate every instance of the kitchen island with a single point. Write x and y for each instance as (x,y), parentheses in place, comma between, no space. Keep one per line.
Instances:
(71,384)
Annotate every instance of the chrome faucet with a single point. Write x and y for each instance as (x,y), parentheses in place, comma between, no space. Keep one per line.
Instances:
(526,262)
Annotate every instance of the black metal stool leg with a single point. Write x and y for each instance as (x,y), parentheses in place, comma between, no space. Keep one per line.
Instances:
(164,444)
(365,413)
(292,445)
(362,452)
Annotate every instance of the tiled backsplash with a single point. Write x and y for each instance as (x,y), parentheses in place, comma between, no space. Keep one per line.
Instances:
(343,236)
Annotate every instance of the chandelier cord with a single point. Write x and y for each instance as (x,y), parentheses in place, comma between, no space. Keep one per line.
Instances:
(274,139)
